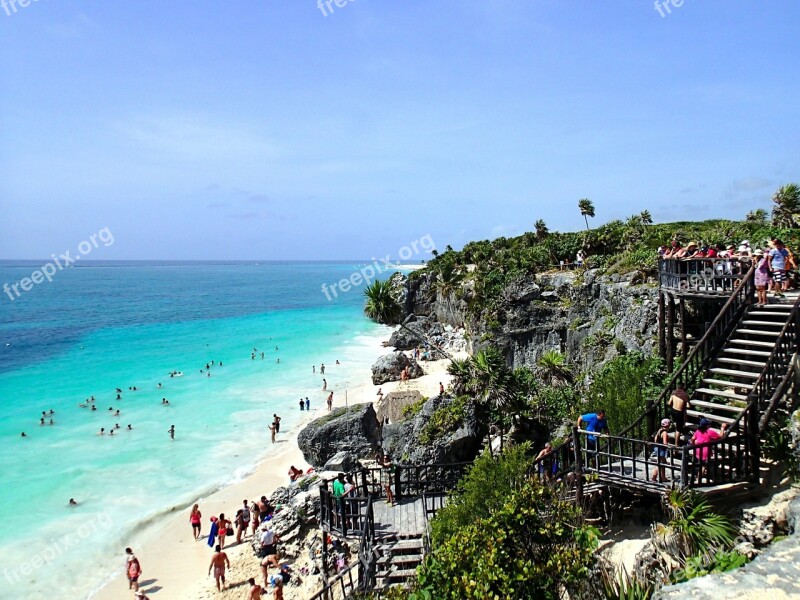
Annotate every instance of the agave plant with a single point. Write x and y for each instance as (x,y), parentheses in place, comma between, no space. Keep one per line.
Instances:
(622,586)
(554,369)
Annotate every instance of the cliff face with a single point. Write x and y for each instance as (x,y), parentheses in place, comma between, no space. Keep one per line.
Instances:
(589,319)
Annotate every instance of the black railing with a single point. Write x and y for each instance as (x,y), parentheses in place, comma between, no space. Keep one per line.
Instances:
(702,275)
(367,555)
(345,516)
(342,586)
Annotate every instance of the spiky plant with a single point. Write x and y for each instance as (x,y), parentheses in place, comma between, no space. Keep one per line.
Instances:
(786,209)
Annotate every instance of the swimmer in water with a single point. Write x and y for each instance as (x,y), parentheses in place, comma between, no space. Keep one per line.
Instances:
(160,386)
(324,384)
(116,426)
(102,431)
(41,421)
(22,434)
(51,422)
(116,414)
(130,428)
(72,502)
(94,407)
(111,432)
(119,396)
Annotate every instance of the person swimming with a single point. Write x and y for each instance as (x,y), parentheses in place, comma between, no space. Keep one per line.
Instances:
(130,428)
(94,407)
(23,434)
(72,502)
(111,432)
(160,386)
(41,421)
(119,396)
(102,431)
(116,426)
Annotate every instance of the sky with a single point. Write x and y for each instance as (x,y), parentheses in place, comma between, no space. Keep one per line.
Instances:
(276,129)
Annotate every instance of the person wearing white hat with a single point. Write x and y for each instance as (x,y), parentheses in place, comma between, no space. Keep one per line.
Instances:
(744,248)
(661,450)
(762,277)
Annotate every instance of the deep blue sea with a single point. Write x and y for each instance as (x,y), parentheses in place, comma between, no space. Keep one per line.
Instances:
(101,326)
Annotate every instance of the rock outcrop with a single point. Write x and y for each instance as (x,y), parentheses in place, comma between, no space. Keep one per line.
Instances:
(392,405)
(390,366)
(354,431)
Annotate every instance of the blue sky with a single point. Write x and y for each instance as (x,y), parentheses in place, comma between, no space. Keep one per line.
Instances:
(260,129)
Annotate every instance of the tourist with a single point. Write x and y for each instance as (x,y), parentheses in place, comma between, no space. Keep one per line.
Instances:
(330,401)
(72,502)
(441,388)
(102,431)
(744,249)
(314,369)
(263,509)
(322,369)
(543,453)
(225,529)
(23,434)
(171,432)
(762,277)
(133,569)
(350,489)
(140,595)
(324,384)
(594,423)
(255,517)
(661,451)
(338,486)
(240,524)
(579,258)
(777,265)
(294,473)
(269,552)
(678,403)
(218,562)
(277,421)
(705,435)
(302,404)
(195,519)
(308,404)
(255,591)
(387,478)
(273,431)
(277,584)
(245,521)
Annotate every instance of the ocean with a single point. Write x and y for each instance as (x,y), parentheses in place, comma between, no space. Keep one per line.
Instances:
(101,326)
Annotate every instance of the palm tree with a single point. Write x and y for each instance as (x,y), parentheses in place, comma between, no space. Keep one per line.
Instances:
(587,209)
(646,218)
(448,282)
(554,368)
(758,215)
(541,230)
(786,212)
(383,307)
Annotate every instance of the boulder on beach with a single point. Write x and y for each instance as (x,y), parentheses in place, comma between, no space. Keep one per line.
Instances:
(390,366)
(353,431)
(393,403)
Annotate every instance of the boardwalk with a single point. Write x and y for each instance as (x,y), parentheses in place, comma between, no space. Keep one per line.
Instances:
(406,517)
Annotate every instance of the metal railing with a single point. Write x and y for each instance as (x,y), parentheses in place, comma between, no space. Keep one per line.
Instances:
(702,275)
(343,585)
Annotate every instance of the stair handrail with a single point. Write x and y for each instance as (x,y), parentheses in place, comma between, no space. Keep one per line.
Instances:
(762,386)
(716,334)
(366,551)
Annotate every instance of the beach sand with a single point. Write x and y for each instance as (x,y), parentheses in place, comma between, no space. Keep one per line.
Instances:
(175,566)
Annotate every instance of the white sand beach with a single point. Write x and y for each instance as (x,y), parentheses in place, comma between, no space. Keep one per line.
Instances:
(175,566)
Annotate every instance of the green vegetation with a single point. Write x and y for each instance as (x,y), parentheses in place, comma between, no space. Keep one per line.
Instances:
(624,385)
(505,536)
(444,419)
(412,410)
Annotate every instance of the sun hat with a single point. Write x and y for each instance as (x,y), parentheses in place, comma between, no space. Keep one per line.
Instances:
(665,422)
(745,243)
(758,252)
(690,244)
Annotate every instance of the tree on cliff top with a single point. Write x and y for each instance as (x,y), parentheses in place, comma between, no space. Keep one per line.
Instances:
(786,212)
(587,210)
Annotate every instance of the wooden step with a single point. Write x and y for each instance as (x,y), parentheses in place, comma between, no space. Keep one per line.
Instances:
(716,406)
(778,324)
(721,394)
(734,373)
(710,417)
(778,309)
(400,559)
(397,574)
(740,361)
(757,332)
(730,384)
(401,546)
(747,352)
(752,343)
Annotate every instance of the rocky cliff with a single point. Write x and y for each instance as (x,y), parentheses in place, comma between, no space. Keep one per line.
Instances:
(587,317)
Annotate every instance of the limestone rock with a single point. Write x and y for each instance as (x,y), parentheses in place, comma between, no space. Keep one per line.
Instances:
(354,431)
(390,366)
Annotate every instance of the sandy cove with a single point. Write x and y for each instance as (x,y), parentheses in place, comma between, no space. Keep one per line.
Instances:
(176,567)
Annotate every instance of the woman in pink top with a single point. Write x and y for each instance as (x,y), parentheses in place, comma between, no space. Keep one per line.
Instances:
(703,435)
(194,519)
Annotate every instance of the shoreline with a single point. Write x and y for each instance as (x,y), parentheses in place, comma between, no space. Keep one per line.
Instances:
(175,566)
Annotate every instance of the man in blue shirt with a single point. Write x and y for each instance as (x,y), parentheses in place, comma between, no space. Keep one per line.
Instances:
(595,423)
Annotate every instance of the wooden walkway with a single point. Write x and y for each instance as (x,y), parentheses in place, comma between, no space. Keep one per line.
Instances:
(406,517)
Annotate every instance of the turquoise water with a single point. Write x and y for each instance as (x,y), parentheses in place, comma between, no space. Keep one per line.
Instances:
(96,328)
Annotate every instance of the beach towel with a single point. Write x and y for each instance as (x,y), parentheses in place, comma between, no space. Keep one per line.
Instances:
(212,535)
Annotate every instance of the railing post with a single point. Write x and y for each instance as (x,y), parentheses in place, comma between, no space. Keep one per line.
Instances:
(754,440)
(397,487)
(576,444)
(684,468)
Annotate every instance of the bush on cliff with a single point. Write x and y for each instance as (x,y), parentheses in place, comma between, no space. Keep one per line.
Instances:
(504,535)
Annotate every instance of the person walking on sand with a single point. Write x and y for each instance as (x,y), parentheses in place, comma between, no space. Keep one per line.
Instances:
(133,569)
(223,524)
(330,401)
(273,431)
(218,562)
(254,591)
(195,519)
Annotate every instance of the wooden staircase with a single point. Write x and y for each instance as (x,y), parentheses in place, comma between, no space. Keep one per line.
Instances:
(398,559)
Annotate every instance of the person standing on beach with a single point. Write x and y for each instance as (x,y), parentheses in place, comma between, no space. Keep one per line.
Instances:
(255,517)
(322,369)
(330,401)
(302,404)
(245,522)
(277,421)
(308,404)
(272,431)
(194,519)
(223,524)
(133,569)
(218,562)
